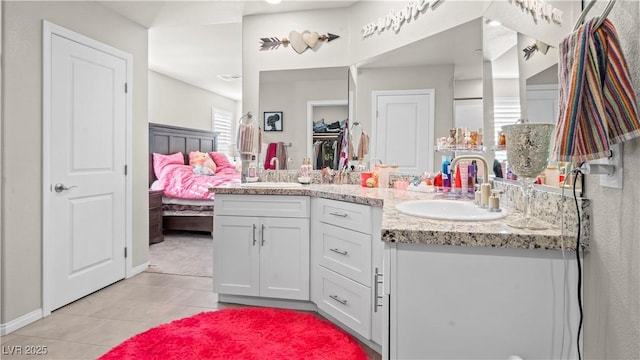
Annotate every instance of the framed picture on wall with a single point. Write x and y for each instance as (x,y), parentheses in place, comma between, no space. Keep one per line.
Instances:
(273,121)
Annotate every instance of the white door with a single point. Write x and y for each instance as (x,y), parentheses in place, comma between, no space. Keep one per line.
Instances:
(236,255)
(284,258)
(84,215)
(403,129)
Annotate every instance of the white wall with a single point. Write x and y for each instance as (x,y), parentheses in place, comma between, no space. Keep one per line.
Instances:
(173,102)
(467,89)
(506,88)
(612,266)
(21,225)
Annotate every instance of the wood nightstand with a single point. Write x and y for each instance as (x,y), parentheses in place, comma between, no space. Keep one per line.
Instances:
(155,216)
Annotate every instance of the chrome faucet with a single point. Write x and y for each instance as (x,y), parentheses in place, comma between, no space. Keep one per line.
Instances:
(372,161)
(277,167)
(485,167)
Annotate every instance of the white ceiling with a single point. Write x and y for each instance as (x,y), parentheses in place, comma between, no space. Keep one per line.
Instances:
(194,41)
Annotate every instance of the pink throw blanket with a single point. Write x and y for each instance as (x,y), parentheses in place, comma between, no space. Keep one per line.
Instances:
(179,181)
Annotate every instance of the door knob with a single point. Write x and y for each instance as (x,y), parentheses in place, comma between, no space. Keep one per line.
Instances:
(60,187)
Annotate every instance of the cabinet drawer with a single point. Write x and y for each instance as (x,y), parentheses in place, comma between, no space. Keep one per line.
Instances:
(347,215)
(262,205)
(346,252)
(346,300)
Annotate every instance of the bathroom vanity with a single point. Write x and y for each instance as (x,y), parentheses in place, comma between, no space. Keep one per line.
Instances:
(407,286)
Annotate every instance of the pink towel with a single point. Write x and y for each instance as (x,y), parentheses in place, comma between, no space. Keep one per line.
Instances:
(271,153)
(598,104)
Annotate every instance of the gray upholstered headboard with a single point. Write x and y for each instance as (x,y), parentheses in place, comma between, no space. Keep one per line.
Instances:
(166,139)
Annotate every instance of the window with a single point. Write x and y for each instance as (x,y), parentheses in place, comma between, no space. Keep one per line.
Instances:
(506,111)
(222,123)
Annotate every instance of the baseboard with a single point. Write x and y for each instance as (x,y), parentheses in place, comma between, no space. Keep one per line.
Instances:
(20,322)
(376,347)
(138,269)
(270,302)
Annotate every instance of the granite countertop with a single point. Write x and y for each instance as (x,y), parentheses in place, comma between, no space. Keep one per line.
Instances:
(401,228)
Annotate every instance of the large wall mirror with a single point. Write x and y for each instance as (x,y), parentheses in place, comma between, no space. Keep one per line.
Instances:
(474,75)
(304,96)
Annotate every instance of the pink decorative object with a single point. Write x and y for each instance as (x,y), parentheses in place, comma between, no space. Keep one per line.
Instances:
(221,160)
(160,161)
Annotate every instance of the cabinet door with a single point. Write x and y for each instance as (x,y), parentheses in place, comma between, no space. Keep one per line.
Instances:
(236,251)
(284,258)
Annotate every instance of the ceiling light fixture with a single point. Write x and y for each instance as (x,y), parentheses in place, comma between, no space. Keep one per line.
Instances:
(273,1)
(493,22)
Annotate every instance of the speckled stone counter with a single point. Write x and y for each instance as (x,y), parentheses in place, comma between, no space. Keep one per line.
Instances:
(401,228)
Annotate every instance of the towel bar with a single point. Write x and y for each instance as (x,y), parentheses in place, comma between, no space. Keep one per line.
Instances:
(603,16)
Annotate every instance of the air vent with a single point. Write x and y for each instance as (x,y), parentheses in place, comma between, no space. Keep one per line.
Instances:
(228,77)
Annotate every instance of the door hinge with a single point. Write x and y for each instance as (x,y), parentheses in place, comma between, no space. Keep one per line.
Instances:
(125,252)
(125,169)
(126,88)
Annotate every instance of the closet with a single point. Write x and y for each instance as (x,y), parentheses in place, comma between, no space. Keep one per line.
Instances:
(326,120)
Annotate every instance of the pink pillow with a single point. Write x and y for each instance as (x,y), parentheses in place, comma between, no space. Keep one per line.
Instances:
(160,161)
(221,160)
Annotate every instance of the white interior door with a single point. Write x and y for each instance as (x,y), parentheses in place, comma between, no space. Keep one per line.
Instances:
(403,129)
(85,206)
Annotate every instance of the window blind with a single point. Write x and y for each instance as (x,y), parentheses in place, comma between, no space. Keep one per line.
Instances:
(222,123)
(506,111)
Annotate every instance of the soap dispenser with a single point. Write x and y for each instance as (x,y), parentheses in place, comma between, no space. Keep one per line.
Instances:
(494,201)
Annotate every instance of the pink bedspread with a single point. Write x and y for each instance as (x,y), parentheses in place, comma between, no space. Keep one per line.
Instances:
(179,181)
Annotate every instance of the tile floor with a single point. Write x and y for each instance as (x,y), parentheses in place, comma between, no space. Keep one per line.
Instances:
(94,324)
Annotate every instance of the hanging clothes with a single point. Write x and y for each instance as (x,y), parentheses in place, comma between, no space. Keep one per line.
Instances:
(598,104)
(354,139)
(363,146)
(343,162)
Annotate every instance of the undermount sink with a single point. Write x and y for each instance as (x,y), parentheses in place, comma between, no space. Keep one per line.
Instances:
(448,210)
(271,184)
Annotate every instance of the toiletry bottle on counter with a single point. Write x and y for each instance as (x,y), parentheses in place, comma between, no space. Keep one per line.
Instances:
(251,171)
(446,171)
(305,169)
(471,173)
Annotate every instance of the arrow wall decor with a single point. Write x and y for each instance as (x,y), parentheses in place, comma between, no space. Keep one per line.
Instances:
(299,41)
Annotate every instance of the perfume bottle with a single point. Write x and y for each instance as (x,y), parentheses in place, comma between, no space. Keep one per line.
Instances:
(305,169)
(251,171)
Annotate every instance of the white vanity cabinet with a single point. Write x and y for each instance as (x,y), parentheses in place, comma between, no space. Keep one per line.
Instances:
(458,302)
(346,265)
(261,246)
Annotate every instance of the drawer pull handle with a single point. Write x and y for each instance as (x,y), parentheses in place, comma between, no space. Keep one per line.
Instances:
(262,235)
(254,234)
(336,298)
(334,213)
(376,282)
(338,251)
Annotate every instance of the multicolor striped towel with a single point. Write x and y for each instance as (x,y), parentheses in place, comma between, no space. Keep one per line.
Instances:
(598,104)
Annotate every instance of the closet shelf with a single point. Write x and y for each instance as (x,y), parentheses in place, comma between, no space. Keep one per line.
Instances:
(325,135)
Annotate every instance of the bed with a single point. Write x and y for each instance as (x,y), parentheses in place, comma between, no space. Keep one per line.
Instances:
(181,213)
